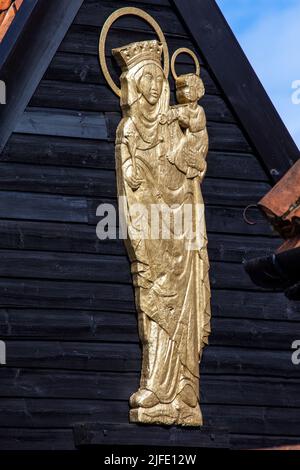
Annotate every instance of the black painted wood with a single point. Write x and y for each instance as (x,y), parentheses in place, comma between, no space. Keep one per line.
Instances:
(102,183)
(73,43)
(115,328)
(54,208)
(83,153)
(92,97)
(64,123)
(80,238)
(126,357)
(106,269)
(100,434)
(93,13)
(223,136)
(50,413)
(227,303)
(37,439)
(85,68)
(56,383)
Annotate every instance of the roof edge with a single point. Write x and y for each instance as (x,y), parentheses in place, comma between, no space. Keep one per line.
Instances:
(29,55)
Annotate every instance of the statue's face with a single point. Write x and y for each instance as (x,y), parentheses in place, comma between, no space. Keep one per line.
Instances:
(189,89)
(151,83)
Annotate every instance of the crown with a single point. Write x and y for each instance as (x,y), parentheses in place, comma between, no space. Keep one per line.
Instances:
(132,54)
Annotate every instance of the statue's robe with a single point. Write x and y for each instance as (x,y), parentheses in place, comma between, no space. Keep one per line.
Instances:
(171,280)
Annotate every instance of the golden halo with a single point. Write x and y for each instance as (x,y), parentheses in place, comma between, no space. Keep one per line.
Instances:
(184,50)
(108,23)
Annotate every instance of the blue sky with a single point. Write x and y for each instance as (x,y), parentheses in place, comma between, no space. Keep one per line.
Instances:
(269,33)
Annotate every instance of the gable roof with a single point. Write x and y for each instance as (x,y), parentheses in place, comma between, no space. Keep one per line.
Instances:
(26,52)
(27,62)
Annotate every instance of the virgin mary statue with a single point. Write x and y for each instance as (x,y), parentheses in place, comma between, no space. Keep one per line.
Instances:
(170,273)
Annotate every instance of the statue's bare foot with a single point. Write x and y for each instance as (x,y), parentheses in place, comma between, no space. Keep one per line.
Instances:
(143,398)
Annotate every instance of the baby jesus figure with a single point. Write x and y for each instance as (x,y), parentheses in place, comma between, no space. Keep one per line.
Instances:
(191,118)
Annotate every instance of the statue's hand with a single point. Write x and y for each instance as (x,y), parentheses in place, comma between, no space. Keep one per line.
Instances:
(133,179)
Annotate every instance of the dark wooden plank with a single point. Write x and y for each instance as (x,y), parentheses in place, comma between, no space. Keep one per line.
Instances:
(94,13)
(42,265)
(219,218)
(223,137)
(40,383)
(99,434)
(231,220)
(30,206)
(249,100)
(119,298)
(62,123)
(122,357)
(237,304)
(51,236)
(102,183)
(235,166)
(223,247)
(27,413)
(47,236)
(51,294)
(31,56)
(254,333)
(84,39)
(227,137)
(42,207)
(254,420)
(105,268)
(225,304)
(69,325)
(85,68)
(61,151)
(233,192)
(22,439)
(95,97)
(66,413)
(229,390)
(80,325)
(144,3)
(58,180)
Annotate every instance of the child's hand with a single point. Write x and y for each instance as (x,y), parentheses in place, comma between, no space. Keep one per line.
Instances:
(164,119)
(191,159)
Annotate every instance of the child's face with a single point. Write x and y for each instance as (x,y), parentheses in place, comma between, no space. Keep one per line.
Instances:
(189,89)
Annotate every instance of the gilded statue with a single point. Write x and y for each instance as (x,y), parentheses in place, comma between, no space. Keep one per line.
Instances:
(160,154)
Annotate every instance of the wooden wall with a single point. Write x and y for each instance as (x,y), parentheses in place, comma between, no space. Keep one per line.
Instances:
(66,301)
